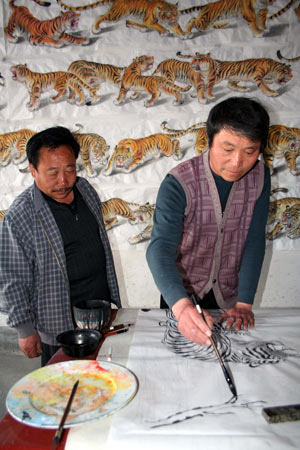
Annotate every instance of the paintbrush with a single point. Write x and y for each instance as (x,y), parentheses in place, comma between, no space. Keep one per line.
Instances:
(225,371)
(59,430)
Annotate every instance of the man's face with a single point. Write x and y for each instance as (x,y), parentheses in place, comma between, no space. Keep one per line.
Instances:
(56,173)
(232,155)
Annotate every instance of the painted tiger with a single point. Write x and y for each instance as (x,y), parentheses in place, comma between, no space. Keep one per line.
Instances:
(173,69)
(132,79)
(62,82)
(2,213)
(115,207)
(46,32)
(279,56)
(283,142)
(261,71)
(95,73)
(277,209)
(14,140)
(285,9)
(201,143)
(291,221)
(129,154)
(254,12)
(144,214)
(157,15)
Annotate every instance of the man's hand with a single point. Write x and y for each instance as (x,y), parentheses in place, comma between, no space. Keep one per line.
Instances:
(190,322)
(31,346)
(239,317)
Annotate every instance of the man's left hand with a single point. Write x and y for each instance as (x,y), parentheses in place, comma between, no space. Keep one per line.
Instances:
(239,317)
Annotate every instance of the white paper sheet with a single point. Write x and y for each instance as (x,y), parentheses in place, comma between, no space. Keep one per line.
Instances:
(185,403)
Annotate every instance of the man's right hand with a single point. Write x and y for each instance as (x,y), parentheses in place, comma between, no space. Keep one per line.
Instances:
(191,323)
(31,346)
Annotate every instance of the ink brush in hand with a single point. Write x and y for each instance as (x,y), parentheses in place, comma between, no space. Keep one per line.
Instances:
(225,371)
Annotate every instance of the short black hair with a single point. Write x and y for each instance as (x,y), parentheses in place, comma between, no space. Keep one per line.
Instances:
(241,115)
(52,138)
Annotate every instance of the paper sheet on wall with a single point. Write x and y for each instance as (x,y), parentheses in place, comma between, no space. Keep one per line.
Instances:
(184,402)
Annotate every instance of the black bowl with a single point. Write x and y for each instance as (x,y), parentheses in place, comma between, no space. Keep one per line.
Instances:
(78,343)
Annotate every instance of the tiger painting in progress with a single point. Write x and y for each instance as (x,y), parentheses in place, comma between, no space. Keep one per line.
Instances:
(199,129)
(157,15)
(62,82)
(91,143)
(254,12)
(50,32)
(278,214)
(173,69)
(14,140)
(261,71)
(132,79)
(129,154)
(283,142)
(115,207)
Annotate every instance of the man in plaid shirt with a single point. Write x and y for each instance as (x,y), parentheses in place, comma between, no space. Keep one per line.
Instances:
(54,247)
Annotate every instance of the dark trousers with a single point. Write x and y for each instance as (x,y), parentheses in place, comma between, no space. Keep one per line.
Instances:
(208,302)
(47,352)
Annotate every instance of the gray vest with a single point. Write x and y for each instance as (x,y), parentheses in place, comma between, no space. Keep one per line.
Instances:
(211,247)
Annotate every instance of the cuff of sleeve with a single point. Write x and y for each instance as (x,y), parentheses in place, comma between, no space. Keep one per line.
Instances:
(25,329)
(173,294)
(246,297)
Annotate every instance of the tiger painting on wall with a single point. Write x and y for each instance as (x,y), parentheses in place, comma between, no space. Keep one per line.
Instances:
(50,32)
(115,207)
(91,143)
(157,15)
(144,214)
(132,79)
(14,140)
(261,71)
(64,83)
(199,129)
(216,14)
(278,214)
(283,142)
(94,73)
(173,69)
(129,154)
(291,221)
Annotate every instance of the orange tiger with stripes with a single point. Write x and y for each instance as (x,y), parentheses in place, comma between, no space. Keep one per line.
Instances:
(129,154)
(283,142)
(173,69)
(115,207)
(157,15)
(46,32)
(96,73)
(14,140)
(199,129)
(211,13)
(261,71)
(277,213)
(91,142)
(132,79)
(62,82)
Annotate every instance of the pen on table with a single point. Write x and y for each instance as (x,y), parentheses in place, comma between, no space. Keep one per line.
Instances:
(59,430)
(112,333)
(225,371)
(118,327)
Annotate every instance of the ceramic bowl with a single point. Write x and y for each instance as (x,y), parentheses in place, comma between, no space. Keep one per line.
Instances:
(79,343)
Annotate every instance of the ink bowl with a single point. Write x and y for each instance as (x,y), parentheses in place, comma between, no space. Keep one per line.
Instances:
(79,343)
(92,314)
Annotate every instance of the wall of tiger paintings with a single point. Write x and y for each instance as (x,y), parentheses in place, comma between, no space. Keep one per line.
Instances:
(113,126)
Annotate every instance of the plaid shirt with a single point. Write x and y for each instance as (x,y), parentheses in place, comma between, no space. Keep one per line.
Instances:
(34,286)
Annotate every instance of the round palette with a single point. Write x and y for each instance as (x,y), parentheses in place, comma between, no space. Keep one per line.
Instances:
(39,399)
